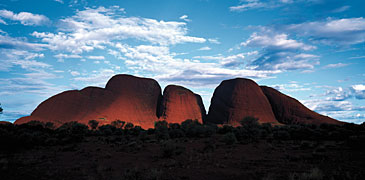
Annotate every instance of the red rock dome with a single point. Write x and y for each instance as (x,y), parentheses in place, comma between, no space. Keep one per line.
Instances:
(237,98)
(128,98)
(180,104)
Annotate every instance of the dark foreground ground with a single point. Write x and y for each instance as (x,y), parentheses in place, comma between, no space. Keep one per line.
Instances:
(186,152)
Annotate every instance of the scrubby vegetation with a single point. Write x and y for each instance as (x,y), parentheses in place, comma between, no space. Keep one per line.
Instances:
(192,144)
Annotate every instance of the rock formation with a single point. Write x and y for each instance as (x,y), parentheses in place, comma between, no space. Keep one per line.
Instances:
(237,98)
(288,110)
(180,104)
(139,101)
(5,123)
(125,97)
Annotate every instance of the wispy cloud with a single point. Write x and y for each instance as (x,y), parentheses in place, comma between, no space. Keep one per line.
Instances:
(332,66)
(279,52)
(95,28)
(185,18)
(334,32)
(25,18)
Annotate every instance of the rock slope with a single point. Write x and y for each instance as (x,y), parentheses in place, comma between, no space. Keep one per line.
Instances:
(237,98)
(288,110)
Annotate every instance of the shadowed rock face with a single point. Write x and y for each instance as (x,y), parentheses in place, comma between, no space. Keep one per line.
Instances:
(5,122)
(180,104)
(288,110)
(237,98)
(125,97)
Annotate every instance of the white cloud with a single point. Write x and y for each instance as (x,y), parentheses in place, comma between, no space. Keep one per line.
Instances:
(249,4)
(279,52)
(341,9)
(67,56)
(185,18)
(24,59)
(205,48)
(152,60)
(276,41)
(97,78)
(60,1)
(7,42)
(333,31)
(25,18)
(214,41)
(358,90)
(74,73)
(95,28)
(332,66)
(2,22)
(96,57)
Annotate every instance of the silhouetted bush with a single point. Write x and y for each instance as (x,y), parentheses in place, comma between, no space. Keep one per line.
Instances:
(225,129)
(229,138)
(161,130)
(107,129)
(93,124)
(128,126)
(176,133)
(118,123)
(170,149)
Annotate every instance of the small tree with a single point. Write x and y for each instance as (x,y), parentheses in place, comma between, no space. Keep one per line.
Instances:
(93,124)
(1,109)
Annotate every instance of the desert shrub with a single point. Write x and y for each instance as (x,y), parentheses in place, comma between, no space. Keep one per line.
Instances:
(71,132)
(49,125)
(107,129)
(229,138)
(281,134)
(193,128)
(143,136)
(170,149)
(118,123)
(150,131)
(135,130)
(93,124)
(174,126)
(176,133)
(128,126)
(250,129)
(250,122)
(143,174)
(225,129)
(73,128)
(313,174)
(161,130)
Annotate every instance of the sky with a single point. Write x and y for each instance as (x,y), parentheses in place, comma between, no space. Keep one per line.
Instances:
(312,50)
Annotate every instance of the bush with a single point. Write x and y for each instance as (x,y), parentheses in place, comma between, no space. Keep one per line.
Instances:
(93,124)
(107,129)
(170,149)
(225,129)
(250,122)
(118,123)
(193,128)
(161,130)
(129,126)
(229,138)
(176,133)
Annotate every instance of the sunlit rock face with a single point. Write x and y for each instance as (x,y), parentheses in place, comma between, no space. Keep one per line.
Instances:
(125,97)
(139,101)
(236,99)
(180,104)
(288,110)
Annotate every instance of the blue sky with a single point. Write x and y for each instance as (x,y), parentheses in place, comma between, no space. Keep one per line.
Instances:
(312,50)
